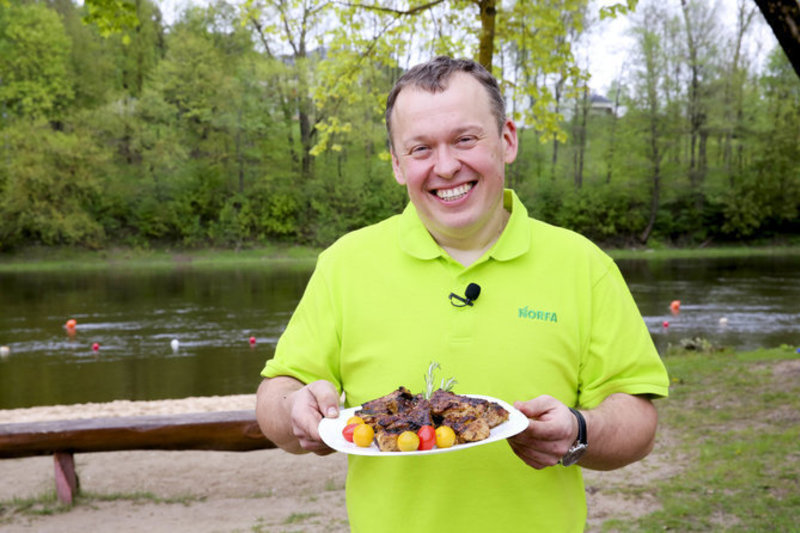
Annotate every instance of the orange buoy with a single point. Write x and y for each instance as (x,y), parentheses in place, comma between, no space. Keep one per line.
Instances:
(71,323)
(675,306)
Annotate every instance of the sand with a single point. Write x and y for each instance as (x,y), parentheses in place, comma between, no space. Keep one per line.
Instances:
(206,491)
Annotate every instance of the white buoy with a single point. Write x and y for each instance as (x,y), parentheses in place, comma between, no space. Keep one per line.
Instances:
(723,321)
(175,345)
(5,351)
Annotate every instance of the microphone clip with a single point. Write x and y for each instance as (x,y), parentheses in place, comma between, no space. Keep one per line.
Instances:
(470,295)
(464,301)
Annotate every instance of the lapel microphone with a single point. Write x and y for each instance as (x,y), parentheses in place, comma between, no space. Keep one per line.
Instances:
(470,295)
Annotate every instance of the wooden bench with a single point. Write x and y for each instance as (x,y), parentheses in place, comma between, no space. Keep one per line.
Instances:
(222,431)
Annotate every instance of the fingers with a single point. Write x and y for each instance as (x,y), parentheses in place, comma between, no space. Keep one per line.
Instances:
(549,434)
(308,406)
(538,455)
(326,397)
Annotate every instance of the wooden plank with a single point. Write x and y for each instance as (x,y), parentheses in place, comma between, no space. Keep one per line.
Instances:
(225,431)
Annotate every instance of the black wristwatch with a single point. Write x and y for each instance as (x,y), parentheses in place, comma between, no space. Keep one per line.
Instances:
(580,445)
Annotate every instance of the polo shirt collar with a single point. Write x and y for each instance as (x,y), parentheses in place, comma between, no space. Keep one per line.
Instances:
(415,240)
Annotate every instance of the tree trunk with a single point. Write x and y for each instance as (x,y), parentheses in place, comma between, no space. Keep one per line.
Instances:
(580,137)
(783,16)
(612,138)
(488,14)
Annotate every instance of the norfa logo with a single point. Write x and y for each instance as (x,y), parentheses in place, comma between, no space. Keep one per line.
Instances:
(533,314)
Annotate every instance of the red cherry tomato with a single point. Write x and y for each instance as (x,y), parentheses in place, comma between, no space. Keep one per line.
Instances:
(347,432)
(427,437)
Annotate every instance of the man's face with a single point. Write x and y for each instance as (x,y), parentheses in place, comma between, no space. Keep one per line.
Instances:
(451,158)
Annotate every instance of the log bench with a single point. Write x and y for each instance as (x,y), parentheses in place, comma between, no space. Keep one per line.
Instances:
(221,431)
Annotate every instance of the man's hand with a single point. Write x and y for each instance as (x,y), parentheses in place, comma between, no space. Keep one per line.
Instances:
(552,429)
(289,412)
(309,405)
(620,430)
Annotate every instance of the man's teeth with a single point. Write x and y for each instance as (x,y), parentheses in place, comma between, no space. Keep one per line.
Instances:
(455,193)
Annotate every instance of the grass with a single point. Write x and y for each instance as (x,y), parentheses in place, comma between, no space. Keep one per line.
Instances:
(47,503)
(734,419)
(58,259)
(708,252)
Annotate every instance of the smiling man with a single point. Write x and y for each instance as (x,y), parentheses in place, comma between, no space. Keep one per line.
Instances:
(450,151)
(554,330)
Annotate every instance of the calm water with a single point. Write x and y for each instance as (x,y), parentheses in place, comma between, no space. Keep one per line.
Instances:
(134,316)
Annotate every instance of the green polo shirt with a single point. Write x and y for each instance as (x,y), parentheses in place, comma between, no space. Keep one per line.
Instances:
(554,317)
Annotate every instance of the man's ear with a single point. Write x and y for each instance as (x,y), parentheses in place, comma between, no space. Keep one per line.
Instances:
(511,141)
(398,173)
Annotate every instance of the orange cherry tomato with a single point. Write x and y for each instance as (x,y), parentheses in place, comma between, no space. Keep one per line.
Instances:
(347,432)
(445,437)
(355,420)
(407,441)
(427,437)
(363,435)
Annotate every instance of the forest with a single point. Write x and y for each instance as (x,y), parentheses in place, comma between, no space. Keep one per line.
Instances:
(243,124)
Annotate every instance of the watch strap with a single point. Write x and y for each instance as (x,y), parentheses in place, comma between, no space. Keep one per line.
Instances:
(581,425)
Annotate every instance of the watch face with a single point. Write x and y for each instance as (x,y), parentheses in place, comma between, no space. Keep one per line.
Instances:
(574,454)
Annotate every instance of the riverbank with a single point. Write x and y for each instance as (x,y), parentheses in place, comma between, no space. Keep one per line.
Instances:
(54,259)
(714,467)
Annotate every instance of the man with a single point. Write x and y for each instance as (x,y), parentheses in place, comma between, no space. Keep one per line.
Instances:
(554,327)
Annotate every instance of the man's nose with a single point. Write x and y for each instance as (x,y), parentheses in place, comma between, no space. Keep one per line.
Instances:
(447,164)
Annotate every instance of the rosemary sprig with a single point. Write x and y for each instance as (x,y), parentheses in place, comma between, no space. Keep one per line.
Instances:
(445,385)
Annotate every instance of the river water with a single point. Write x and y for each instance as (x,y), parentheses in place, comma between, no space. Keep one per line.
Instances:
(135,315)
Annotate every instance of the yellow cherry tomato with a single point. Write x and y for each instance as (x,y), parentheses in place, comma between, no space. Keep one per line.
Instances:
(354,420)
(408,441)
(363,435)
(445,437)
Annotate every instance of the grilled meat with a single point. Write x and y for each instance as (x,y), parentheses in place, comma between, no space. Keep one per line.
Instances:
(448,405)
(470,418)
(468,428)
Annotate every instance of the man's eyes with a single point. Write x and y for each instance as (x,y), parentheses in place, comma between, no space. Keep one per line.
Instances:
(423,149)
(419,151)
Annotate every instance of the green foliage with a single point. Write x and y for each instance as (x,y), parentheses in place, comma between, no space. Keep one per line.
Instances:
(615,10)
(34,62)
(50,189)
(112,16)
(600,211)
(242,125)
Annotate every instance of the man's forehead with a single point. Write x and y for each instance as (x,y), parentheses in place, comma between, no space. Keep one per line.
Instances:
(457,80)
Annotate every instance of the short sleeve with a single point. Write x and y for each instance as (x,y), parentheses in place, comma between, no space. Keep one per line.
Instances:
(620,355)
(309,348)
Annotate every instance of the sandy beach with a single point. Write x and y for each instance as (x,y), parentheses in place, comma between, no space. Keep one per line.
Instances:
(204,491)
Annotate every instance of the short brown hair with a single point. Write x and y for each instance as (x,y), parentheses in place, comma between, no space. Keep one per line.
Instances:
(433,77)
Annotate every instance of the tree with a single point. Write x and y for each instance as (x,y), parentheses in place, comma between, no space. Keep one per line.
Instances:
(700,32)
(733,123)
(34,62)
(650,85)
(51,188)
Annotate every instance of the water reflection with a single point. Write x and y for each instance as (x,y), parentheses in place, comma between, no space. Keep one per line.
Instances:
(134,316)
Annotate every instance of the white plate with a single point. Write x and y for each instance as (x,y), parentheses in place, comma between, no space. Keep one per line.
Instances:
(330,429)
